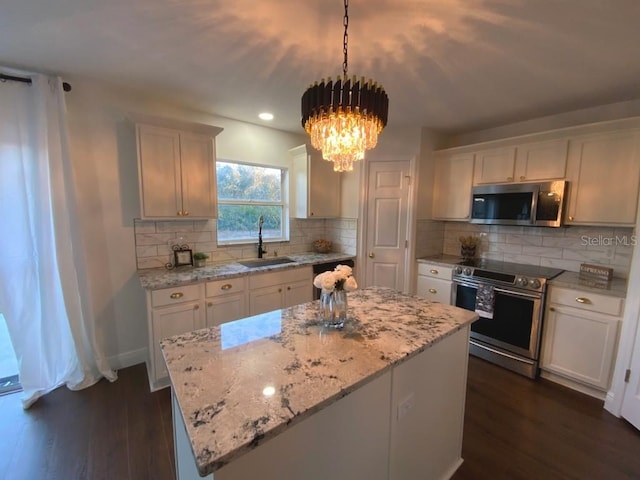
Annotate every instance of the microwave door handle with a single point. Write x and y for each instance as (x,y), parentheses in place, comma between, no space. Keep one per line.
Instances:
(516,294)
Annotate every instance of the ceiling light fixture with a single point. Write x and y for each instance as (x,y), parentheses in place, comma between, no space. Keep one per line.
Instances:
(344,118)
(265,116)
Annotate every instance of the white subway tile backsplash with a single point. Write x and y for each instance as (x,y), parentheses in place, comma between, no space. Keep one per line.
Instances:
(143,226)
(153,238)
(547,252)
(147,251)
(522,239)
(177,226)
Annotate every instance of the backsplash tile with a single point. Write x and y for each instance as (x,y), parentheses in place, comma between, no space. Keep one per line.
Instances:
(153,239)
(565,247)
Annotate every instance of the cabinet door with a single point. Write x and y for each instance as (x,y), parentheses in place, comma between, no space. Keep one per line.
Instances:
(266,299)
(316,187)
(169,321)
(434,289)
(297,293)
(452,187)
(159,171)
(580,345)
(226,308)
(541,161)
(495,165)
(604,172)
(197,161)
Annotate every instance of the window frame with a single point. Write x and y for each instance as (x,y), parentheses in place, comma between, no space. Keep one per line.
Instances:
(284,203)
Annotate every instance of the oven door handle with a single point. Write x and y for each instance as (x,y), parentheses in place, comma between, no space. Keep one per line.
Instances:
(516,294)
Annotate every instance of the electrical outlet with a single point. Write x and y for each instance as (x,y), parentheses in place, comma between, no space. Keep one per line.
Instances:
(407,404)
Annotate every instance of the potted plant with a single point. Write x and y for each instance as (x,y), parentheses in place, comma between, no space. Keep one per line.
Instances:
(200,259)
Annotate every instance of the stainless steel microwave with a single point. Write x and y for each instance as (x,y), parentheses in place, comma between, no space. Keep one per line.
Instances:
(532,204)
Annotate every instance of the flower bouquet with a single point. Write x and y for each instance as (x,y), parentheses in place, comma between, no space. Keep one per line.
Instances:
(333,300)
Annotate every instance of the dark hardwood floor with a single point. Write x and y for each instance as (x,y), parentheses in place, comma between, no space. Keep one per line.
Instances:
(515,428)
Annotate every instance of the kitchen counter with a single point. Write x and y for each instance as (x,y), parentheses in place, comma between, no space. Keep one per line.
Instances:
(444,260)
(617,287)
(154,278)
(244,382)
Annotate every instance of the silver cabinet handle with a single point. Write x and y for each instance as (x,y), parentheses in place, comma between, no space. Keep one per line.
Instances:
(176,295)
(433,290)
(583,300)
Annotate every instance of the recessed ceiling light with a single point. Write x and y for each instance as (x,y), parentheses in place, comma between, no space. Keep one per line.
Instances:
(266,116)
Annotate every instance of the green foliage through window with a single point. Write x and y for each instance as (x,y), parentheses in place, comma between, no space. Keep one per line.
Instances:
(244,193)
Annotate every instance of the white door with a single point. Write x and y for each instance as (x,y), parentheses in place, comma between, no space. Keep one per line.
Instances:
(631,400)
(386,228)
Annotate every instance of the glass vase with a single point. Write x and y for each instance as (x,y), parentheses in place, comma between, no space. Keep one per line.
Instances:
(333,307)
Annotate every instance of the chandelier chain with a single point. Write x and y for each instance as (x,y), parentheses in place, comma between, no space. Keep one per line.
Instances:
(345,39)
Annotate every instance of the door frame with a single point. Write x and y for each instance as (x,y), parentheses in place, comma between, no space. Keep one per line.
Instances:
(411,220)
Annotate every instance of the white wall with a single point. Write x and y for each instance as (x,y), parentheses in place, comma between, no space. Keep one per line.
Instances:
(103,152)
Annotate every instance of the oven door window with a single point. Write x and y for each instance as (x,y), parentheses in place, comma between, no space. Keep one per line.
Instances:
(511,323)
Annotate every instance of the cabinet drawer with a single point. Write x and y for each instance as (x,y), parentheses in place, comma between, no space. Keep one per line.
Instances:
(435,271)
(592,302)
(261,280)
(170,296)
(434,289)
(226,286)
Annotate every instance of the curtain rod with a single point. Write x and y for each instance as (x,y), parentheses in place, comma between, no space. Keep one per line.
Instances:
(65,86)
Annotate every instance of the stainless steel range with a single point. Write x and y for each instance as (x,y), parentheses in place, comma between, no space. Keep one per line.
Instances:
(509,297)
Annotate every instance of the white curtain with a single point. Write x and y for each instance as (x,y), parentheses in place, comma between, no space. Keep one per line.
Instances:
(43,294)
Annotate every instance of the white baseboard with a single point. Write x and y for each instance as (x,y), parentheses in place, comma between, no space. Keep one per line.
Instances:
(128,359)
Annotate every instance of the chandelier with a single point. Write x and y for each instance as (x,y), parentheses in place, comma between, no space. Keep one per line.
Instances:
(344,117)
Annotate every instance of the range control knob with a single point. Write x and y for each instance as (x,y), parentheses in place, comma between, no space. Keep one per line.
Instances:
(522,281)
(458,270)
(467,271)
(535,283)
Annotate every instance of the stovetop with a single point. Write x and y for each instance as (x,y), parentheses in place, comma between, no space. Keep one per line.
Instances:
(518,269)
(523,276)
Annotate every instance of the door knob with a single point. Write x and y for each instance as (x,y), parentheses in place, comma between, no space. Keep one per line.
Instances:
(371,255)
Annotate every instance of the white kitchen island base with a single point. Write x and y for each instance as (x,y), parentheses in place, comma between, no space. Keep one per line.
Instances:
(404,424)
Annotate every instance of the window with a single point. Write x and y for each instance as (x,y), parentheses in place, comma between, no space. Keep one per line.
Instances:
(245,192)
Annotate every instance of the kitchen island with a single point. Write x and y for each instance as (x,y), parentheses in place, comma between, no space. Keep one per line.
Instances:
(279,396)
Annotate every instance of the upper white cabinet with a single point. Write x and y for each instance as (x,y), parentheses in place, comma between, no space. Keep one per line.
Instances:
(541,161)
(316,187)
(495,165)
(604,174)
(452,186)
(529,162)
(176,172)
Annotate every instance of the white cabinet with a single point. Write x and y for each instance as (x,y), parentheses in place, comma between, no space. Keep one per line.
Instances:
(541,161)
(226,300)
(276,290)
(604,174)
(171,311)
(579,339)
(495,165)
(452,182)
(529,162)
(176,172)
(434,282)
(316,187)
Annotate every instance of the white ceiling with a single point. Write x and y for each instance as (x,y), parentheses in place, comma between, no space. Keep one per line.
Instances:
(452,65)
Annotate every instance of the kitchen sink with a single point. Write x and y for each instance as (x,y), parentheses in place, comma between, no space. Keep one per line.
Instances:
(265,262)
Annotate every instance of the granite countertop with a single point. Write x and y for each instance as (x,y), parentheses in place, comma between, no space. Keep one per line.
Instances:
(154,278)
(617,287)
(243,382)
(444,260)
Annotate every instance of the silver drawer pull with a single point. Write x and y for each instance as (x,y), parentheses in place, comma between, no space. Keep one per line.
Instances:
(226,286)
(584,300)
(433,290)
(176,295)
(434,271)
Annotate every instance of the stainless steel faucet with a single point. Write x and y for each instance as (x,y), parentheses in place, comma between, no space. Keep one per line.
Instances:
(260,249)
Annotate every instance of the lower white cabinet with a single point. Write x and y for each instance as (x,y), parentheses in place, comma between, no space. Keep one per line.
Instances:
(580,339)
(275,290)
(226,300)
(172,311)
(434,282)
